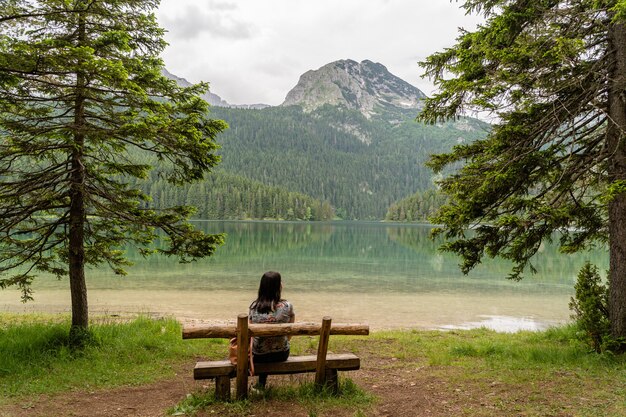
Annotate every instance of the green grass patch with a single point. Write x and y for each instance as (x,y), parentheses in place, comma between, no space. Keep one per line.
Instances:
(313,400)
(36,358)
(533,372)
(554,348)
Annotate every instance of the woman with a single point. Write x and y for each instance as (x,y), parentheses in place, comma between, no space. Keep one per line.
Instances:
(270,308)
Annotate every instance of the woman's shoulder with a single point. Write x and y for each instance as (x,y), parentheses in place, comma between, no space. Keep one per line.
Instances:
(285,307)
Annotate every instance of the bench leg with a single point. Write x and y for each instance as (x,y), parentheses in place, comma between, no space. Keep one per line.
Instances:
(262,380)
(222,388)
(332,380)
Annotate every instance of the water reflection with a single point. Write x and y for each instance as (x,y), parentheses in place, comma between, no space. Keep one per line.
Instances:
(504,324)
(354,270)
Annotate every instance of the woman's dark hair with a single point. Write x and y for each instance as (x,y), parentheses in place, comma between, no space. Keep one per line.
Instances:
(269,293)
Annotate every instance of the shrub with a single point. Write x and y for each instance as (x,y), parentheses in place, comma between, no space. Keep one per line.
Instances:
(590,305)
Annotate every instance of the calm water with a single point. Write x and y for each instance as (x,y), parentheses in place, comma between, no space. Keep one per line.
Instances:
(387,275)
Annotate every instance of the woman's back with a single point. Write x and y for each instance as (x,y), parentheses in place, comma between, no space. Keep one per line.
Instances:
(282,313)
(269,307)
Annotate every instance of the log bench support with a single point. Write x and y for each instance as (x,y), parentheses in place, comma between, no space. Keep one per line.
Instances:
(222,387)
(325,366)
(242,356)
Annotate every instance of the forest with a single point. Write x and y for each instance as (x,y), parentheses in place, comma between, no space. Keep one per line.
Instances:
(333,163)
(231,197)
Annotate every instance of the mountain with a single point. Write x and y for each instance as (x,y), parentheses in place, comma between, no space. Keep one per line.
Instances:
(344,140)
(366,86)
(211,98)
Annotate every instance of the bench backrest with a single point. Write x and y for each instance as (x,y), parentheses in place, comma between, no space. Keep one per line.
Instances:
(264,330)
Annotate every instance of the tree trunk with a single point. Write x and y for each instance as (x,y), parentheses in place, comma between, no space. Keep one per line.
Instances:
(77,216)
(617,172)
(78,287)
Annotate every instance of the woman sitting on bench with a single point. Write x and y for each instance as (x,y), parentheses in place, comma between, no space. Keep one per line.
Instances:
(270,308)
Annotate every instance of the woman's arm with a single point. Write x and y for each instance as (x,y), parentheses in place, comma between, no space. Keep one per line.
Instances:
(292,319)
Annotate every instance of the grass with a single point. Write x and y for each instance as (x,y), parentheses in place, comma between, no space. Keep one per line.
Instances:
(534,373)
(551,349)
(314,401)
(526,373)
(35,357)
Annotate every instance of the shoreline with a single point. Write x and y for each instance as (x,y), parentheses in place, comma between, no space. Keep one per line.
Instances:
(499,324)
(381,311)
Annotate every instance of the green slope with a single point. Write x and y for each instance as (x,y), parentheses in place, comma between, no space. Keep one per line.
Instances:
(361,166)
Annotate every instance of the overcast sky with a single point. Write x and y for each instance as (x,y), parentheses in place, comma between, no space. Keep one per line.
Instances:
(254,51)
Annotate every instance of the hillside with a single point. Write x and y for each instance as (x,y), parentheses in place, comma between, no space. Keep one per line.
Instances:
(345,134)
(226,196)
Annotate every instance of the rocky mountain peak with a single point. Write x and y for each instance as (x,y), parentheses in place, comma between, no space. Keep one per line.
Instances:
(366,86)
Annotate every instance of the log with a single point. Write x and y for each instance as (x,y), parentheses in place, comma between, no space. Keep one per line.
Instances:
(293,365)
(300,364)
(322,350)
(210,331)
(264,330)
(332,380)
(243,344)
(307,329)
(213,369)
(222,388)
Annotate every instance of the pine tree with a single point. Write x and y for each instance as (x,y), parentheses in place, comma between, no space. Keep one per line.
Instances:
(85,112)
(554,74)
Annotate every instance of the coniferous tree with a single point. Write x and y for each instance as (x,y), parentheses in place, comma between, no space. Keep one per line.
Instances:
(83,110)
(554,73)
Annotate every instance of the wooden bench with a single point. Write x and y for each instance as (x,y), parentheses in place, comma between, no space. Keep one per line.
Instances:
(323,364)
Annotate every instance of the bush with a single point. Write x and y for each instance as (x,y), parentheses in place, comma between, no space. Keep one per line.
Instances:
(590,305)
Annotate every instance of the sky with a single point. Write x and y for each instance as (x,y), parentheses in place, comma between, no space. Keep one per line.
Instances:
(254,51)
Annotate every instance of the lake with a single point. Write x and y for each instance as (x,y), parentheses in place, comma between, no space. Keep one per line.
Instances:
(387,275)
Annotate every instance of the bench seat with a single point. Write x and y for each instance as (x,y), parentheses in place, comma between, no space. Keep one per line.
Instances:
(293,365)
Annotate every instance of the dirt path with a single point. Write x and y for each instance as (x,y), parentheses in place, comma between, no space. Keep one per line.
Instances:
(148,401)
(401,391)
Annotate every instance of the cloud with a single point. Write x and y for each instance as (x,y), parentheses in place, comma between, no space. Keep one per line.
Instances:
(255,51)
(222,5)
(215,19)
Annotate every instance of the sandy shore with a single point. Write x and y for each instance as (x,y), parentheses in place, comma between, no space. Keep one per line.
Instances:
(380,311)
